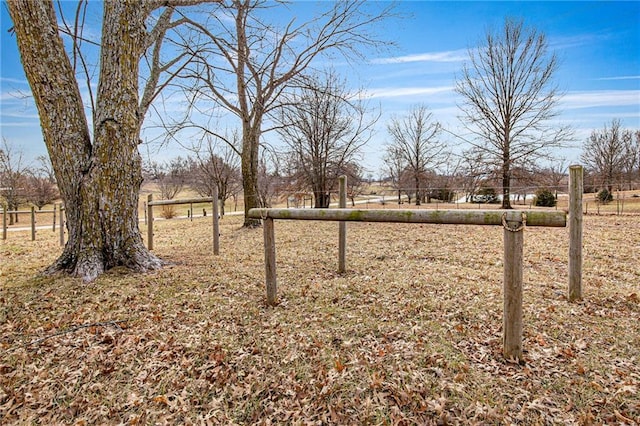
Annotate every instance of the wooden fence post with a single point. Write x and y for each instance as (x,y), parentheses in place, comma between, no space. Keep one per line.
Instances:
(575,233)
(61,224)
(150,222)
(270,260)
(4,222)
(216,224)
(512,315)
(342,227)
(54,217)
(33,223)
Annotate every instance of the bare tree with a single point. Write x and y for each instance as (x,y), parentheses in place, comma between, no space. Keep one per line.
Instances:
(250,61)
(355,180)
(554,176)
(414,141)
(41,191)
(270,183)
(395,167)
(509,99)
(171,177)
(604,153)
(472,171)
(218,167)
(13,179)
(632,157)
(324,128)
(98,171)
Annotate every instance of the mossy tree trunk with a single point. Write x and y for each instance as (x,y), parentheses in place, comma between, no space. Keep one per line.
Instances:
(99,178)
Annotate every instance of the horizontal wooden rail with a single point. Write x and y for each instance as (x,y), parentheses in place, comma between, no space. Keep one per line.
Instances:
(183,201)
(215,215)
(454,217)
(28,211)
(513,222)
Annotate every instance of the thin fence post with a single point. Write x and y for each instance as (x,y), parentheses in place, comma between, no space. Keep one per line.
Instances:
(61,224)
(270,260)
(575,233)
(4,222)
(150,222)
(342,227)
(512,314)
(54,217)
(216,223)
(33,223)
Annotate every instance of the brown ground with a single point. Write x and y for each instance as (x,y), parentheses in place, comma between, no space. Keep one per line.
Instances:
(411,334)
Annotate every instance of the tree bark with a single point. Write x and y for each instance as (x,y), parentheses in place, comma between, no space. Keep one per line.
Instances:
(506,168)
(506,185)
(249,164)
(99,180)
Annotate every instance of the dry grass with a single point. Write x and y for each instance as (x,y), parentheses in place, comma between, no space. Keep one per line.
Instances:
(411,334)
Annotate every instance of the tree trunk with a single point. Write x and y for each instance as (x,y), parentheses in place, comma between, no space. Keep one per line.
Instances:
(506,179)
(249,160)
(322,199)
(99,182)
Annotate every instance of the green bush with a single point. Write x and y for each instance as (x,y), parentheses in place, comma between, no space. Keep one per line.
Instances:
(605,196)
(545,198)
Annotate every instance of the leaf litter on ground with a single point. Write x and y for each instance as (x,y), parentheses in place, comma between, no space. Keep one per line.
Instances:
(410,334)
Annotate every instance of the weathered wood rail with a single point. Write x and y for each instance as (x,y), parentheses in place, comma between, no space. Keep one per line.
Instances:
(215,215)
(33,212)
(513,221)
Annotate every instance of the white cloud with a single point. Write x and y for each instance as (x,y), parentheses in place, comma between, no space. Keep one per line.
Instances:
(4,80)
(447,56)
(394,92)
(622,77)
(601,98)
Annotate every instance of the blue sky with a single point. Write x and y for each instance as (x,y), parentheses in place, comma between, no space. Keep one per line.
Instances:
(598,44)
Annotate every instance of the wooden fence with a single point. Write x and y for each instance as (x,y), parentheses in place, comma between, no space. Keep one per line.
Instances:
(33,212)
(215,214)
(513,222)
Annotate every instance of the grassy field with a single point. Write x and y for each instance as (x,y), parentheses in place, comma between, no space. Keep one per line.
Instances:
(411,334)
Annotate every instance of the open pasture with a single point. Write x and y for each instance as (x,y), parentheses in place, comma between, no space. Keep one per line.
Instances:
(410,334)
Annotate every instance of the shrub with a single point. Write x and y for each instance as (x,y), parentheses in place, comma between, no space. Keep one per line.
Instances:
(168,212)
(604,196)
(545,198)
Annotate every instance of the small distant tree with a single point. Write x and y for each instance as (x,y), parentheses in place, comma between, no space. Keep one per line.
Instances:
(324,128)
(604,196)
(41,191)
(13,179)
(545,198)
(414,142)
(394,167)
(472,171)
(217,166)
(604,153)
(355,181)
(269,181)
(41,184)
(631,162)
(554,175)
(171,178)
(45,169)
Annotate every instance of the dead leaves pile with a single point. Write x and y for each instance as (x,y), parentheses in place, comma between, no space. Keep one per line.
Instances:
(411,334)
